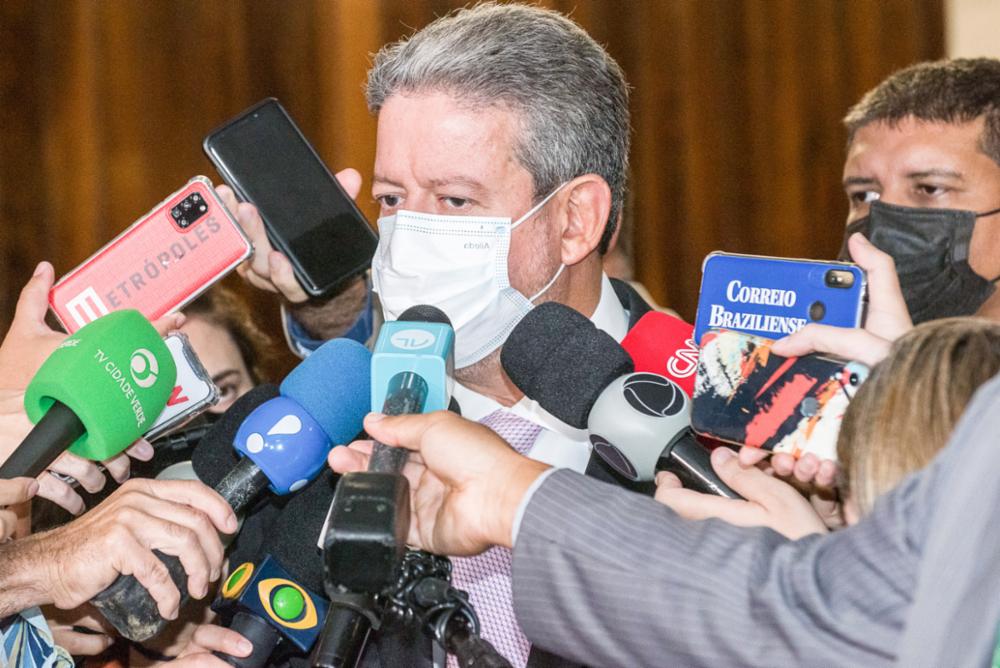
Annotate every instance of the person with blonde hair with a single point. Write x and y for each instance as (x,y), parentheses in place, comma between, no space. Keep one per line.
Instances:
(906,410)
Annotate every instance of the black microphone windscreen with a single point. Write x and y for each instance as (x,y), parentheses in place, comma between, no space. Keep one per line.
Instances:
(215,456)
(559,358)
(425,313)
(293,538)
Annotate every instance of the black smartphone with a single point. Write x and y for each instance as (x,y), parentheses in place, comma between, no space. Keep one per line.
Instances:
(268,162)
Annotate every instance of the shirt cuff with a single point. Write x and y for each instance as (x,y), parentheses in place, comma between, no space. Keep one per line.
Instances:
(302,344)
(525,500)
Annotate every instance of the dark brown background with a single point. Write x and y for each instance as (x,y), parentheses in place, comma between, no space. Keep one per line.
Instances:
(736,108)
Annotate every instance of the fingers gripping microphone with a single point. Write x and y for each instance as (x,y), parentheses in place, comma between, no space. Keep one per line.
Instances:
(412,368)
(638,422)
(95,394)
(281,445)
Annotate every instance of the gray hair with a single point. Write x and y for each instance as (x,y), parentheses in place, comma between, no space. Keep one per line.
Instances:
(570,95)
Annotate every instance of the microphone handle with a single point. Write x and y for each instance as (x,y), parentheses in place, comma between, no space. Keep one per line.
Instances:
(56,431)
(261,635)
(692,463)
(345,633)
(129,607)
(473,650)
(407,394)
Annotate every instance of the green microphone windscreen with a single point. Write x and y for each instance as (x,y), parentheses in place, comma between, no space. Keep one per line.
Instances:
(116,374)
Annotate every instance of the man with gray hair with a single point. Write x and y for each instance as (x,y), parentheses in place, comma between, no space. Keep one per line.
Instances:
(500,169)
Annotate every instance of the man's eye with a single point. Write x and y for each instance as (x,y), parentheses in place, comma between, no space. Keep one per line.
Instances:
(455,202)
(389,201)
(864,196)
(929,190)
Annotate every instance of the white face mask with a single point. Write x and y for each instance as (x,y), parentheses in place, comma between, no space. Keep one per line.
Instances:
(459,265)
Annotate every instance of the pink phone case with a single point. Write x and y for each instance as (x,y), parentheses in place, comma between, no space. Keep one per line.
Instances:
(160,263)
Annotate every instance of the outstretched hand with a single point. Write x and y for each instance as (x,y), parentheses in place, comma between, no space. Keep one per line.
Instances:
(466,483)
(768,501)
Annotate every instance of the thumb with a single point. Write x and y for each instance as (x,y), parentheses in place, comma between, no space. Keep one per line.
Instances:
(17,490)
(29,314)
(350,180)
(401,431)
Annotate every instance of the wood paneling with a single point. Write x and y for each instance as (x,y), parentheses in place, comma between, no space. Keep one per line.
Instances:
(736,108)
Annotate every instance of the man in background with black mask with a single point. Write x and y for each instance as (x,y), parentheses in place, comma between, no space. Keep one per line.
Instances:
(923,180)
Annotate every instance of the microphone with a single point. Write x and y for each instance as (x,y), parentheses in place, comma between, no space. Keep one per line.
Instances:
(663,344)
(411,370)
(281,445)
(639,423)
(95,394)
(369,518)
(268,605)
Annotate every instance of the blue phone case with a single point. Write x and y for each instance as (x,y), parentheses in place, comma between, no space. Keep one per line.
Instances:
(772,297)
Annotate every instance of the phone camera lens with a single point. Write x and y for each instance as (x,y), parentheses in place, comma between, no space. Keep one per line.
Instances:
(817,310)
(838,278)
(854,380)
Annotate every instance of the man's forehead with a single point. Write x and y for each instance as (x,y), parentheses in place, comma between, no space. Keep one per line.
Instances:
(915,148)
(437,140)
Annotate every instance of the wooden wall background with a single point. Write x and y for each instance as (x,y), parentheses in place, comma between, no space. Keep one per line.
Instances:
(736,111)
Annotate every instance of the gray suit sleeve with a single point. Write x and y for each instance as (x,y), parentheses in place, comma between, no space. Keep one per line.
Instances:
(609,578)
(633,584)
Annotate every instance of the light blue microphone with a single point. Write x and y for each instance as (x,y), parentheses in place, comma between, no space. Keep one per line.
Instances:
(421,342)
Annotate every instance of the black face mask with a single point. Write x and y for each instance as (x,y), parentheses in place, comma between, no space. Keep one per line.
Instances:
(931,251)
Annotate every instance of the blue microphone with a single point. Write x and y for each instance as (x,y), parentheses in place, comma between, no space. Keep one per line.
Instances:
(282,444)
(418,345)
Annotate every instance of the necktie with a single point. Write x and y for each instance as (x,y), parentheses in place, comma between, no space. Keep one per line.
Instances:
(487,576)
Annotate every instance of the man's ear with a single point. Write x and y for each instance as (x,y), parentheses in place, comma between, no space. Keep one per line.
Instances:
(586,206)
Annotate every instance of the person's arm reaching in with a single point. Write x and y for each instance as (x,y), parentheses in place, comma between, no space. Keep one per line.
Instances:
(767,501)
(27,343)
(607,577)
(69,565)
(269,270)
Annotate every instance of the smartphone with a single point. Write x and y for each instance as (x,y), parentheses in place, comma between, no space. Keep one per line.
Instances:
(773,297)
(194,392)
(160,263)
(268,162)
(746,395)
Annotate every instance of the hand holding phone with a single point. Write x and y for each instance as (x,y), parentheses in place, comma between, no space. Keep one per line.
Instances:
(747,395)
(269,269)
(299,209)
(163,261)
(773,297)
